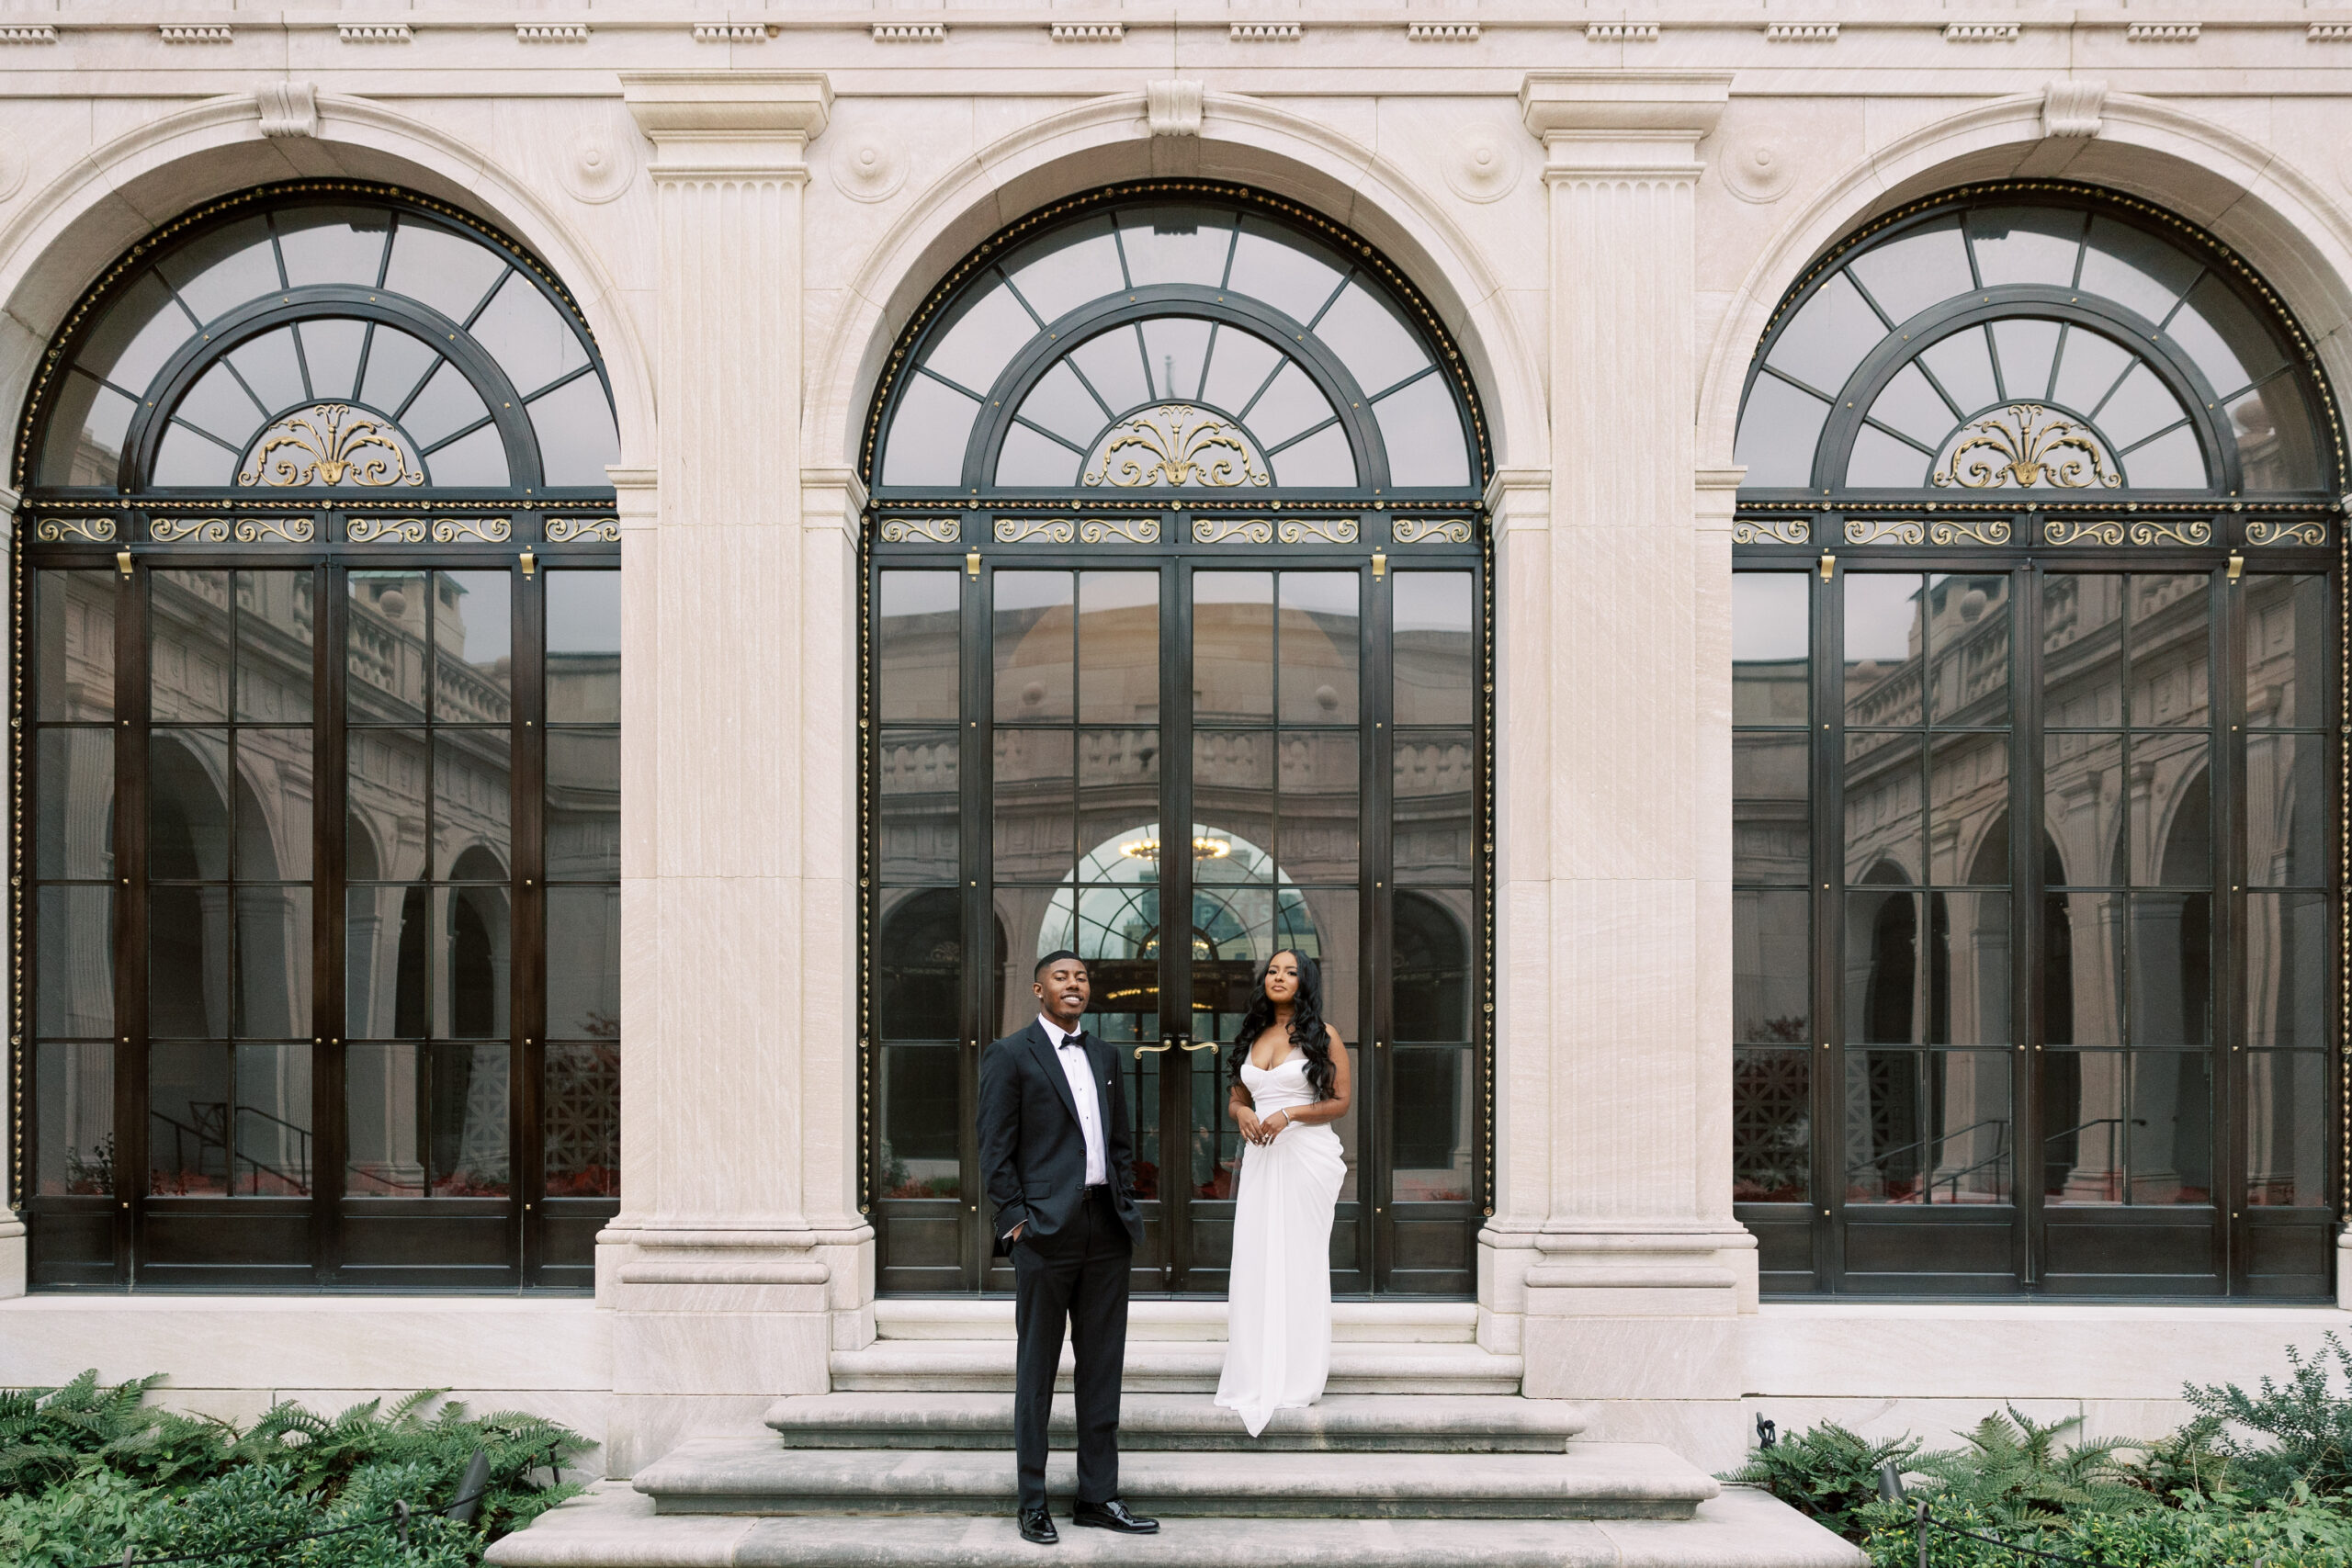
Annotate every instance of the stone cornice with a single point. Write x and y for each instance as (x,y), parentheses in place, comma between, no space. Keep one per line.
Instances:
(724,122)
(1622,121)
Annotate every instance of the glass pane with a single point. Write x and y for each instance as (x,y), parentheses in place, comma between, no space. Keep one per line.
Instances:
(2082,1116)
(2171,461)
(384,646)
(986,331)
(1886,994)
(1118,788)
(1432,646)
(1434,826)
(1911,406)
(1429,964)
(2287,959)
(2172,828)
(1321,628)
(467,1102)
(75,937)
(1322,458)
(1771,831)
(1771,636)
(915,628)
(273,962)
(187,806)
(1880,461)
(1915,269)
(1320,780)
(472,805)
(2088,369)
(75,655)
(919,810)
(583,804)
(1233,646)
(184,457)
(1233,792)
(189,1111)
(584,611)
(919,963)
(2288,656)
(1968,631)
(922,1121)
(929,431)
(1968,993)
(2170,1135)
(1176,350)
(2135,269)
(332,244)
(1421,429)
(189,650)
(1829,336)
(73,828)
(1239,364)
(2140,406)
(2169,649)
(1772,1127)
(2277,436)
(1434,1124)
(1928,1127)
(385,1094)
(1968,808)
(2287,1147)
(448,271)
(384,962)
(187,962)
(1061,405)
(1883,840)
(2083,809)
(583,963)
(1033,647)
(2025,244)
(1294,275)
(2227,340)
(580,1120)
(274,788)
(476,962)
(1771,985)
(2082,968)
(133,335)
(2081,650)
(2171,957)
(1378,348)
(223,269)
(527,336)
(1113,364)
(86,426)
(1779,427)
(271,371)
(1035,830)
(218,406)
(473,633)
(73,1110)
(1118,640)
(384,833)
(274,646)
(271,1137)
(1028,458)
(578,440)
(1883,648)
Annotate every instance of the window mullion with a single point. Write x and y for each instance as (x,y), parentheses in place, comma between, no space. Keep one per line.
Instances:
(330,596)
(2026,910)
(1828,926)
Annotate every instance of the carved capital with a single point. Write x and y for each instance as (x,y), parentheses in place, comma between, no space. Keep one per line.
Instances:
(1622,121)
(729,122)
(1172,108)
(2070,109)
(288,109)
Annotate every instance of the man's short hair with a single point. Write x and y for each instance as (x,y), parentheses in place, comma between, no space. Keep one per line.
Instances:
(1053,958)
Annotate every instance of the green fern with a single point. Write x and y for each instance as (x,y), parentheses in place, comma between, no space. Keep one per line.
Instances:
(2307,1422)
(1827,1473)
(2016,1471)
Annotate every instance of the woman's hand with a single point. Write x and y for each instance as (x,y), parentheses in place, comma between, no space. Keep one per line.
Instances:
(1268,1128)
(1246,1121)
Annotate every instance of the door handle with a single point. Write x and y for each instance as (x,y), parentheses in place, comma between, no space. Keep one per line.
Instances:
(1203,1045)
(1167,1045)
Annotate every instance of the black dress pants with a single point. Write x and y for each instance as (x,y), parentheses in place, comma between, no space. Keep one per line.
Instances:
(1077,1277)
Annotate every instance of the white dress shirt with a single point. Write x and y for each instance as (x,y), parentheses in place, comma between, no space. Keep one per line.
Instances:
(1079,1070)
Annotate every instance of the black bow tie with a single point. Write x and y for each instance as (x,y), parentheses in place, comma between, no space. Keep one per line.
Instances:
(1068,1040)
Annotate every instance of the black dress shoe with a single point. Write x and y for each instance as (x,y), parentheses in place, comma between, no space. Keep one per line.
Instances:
(1038,1526)
(1114,1515)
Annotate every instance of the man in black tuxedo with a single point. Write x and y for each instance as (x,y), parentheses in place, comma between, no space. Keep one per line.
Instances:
(1059,1161)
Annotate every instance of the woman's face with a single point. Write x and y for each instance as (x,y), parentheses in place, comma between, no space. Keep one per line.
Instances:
(1282,978)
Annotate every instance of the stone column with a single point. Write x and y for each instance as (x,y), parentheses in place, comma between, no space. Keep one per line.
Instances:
(739,1240)
(1618,1227)
(12,1261)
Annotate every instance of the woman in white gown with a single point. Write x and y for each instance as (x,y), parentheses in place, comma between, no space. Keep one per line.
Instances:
(1291,1082)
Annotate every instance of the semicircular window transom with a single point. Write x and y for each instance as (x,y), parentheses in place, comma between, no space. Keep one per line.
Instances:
(2020,339)
(353,343)
(1152,343)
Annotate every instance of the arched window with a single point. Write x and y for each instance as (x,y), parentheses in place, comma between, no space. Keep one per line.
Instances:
(2039,526)
(1178,613)
(318,579)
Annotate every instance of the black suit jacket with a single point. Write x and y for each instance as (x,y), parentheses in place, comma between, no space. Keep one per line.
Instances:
(1033,1151)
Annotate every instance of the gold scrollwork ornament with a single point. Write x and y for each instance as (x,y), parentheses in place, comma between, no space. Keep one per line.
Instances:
(2287,531)
(327,444)
(1958,530)
(386,530)
(2195,531)
(2064,531)
(564,530)
(1134,530)
(898,530)
(294,530)
(1037,530)
(1176,444)
(1884,531)
(1237,530)
(175,530)
(1451,530)
(2024,446)
(1304,530)
(488,530)
(1767,530)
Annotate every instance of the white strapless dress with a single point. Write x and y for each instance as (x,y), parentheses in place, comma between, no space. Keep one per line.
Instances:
(1278,1323)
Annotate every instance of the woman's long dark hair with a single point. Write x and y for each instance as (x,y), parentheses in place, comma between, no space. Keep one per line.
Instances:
(1307,1030)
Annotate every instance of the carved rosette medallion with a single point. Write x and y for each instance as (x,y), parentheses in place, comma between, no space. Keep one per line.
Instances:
(2027,446)
(328,444)
(1175,444)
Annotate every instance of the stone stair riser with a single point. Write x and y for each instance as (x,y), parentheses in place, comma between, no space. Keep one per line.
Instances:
(776,1506)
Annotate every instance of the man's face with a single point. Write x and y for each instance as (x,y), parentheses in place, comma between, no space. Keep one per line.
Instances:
(1062,989)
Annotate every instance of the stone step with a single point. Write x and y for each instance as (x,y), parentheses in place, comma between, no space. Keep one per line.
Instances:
(1590,1481)
(972,1317)
(1417,1423)
(614,1527)
(985,1366)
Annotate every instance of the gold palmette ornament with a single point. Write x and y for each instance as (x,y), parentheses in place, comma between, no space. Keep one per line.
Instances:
(2024,446)
(324,444)
(1176,444)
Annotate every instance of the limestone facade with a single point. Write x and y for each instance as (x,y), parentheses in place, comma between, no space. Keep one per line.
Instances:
(1605,205)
